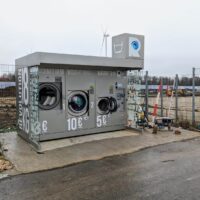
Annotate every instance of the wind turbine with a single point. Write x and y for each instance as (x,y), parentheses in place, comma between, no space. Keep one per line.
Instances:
(105,37)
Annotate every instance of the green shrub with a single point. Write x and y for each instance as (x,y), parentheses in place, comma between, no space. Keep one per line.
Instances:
(185,124)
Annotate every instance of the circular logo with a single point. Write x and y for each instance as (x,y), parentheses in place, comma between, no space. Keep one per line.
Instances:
(135,45)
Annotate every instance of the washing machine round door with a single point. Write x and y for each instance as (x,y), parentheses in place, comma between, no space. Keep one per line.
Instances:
(49,96)
(78,103)
(103,105)
(112,104)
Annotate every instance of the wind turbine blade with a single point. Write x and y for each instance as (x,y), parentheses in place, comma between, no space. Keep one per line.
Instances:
(103,41)
(106,29)
(102,44)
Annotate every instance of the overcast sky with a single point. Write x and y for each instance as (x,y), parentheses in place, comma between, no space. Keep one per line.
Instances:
(171,29)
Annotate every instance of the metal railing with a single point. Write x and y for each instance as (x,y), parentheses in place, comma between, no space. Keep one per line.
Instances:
(183,93)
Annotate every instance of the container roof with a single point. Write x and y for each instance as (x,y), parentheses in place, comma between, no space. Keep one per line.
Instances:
(80,61)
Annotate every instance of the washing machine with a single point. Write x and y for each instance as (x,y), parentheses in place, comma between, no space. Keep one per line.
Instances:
(80,105)
(110,99)
(51,97)
(106,105)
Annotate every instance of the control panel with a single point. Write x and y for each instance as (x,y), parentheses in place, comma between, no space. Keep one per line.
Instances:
(120,96)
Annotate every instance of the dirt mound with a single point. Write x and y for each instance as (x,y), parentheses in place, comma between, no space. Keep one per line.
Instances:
(7,113)
(5,164)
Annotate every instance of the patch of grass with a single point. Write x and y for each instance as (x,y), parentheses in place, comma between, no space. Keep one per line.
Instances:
(10,128)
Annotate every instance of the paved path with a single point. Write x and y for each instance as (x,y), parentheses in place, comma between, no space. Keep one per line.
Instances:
(80,149)
(169,171)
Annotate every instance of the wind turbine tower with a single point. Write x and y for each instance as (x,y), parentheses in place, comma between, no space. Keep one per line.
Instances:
(105,36)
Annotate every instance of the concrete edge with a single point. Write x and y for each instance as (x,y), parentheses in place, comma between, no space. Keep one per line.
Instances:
(90,140)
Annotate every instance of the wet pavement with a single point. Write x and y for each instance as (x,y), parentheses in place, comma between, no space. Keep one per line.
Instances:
(165,172)
(83,148)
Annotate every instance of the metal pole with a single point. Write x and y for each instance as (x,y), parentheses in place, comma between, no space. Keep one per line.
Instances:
(161,97)
(171,98)
(106,37)
(193,96)
(176,95)
(106,45)
(146,95)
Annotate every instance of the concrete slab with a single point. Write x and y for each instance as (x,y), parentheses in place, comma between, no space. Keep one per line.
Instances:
(55,144)
(26,160)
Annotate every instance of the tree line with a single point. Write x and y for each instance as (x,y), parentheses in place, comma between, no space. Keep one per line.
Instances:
(9,77)
(182,81)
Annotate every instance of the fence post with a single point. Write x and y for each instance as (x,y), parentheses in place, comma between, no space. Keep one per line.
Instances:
(146,95)
(193,96)
(161,97)
(176,95)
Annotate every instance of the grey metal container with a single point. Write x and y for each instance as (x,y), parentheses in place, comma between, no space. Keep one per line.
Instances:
(61,95)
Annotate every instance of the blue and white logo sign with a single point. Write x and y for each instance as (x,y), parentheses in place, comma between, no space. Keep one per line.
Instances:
(134,47)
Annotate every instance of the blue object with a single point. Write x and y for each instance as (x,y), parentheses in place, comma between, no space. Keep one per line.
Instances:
(135,45)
